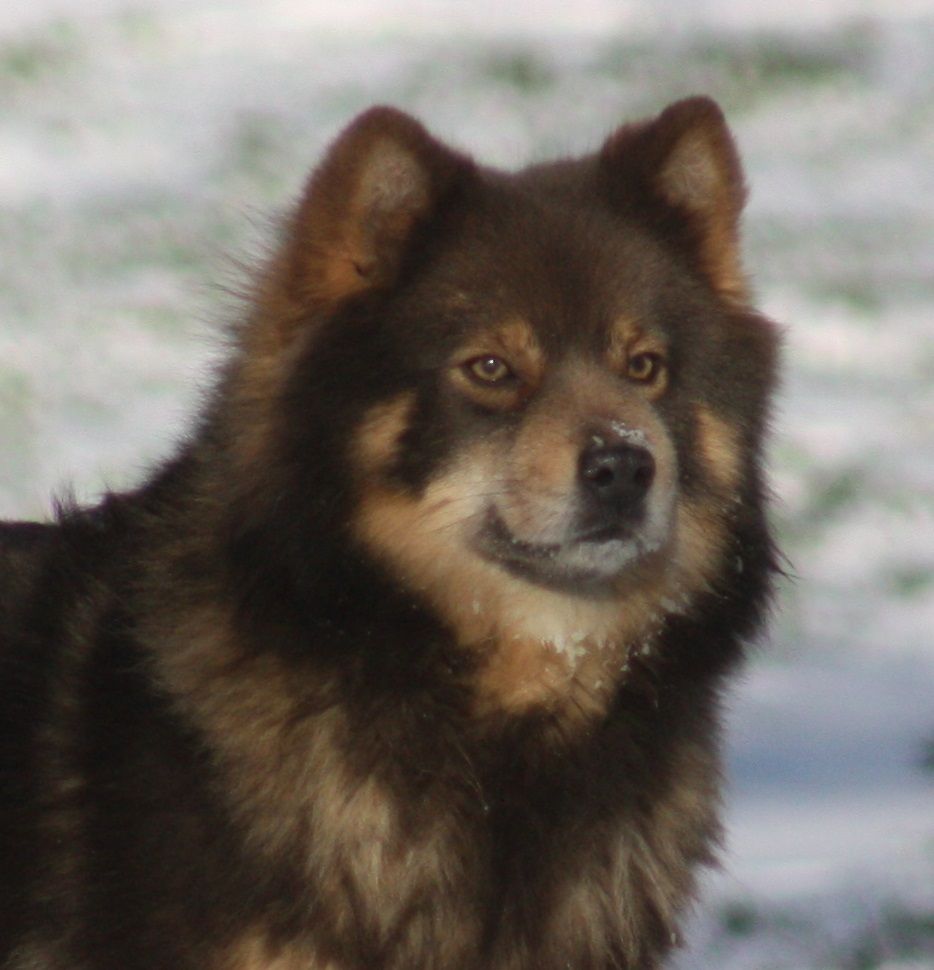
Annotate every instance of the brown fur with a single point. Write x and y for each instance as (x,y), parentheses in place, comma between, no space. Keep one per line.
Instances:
(411,658)
(695,168)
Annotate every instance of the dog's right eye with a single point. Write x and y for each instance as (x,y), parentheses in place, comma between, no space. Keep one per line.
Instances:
(488,370)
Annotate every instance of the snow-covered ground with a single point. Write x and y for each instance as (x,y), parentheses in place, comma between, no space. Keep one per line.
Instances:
(143,143)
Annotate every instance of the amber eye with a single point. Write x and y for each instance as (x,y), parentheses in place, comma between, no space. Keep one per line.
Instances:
(488,370)
(645,367)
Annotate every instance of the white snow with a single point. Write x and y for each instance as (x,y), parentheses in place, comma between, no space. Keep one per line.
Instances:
(146,143)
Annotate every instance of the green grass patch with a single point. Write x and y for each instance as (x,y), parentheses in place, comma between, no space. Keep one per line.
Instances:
(767,60)
(740,919)
(740,70)
(862,297)
(909,581)
(35,57)
(525,71)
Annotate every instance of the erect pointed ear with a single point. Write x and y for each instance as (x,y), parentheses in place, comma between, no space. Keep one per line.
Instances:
(380,181)
(686,161)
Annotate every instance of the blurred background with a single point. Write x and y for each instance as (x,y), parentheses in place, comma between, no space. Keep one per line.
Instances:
(146,147)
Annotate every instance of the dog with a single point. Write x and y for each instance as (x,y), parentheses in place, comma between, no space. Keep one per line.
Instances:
(412,655)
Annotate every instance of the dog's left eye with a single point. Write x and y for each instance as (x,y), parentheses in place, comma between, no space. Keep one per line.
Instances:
(488,370)
(644,368)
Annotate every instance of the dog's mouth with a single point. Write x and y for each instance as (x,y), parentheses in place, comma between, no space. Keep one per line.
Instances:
(590,561)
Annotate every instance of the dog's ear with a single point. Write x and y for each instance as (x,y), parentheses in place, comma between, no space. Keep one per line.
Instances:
(684,163)
(380,182)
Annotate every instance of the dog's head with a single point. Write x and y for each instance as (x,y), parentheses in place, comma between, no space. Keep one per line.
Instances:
(546,390)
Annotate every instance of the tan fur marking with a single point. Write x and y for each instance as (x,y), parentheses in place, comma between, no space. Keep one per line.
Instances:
(623,333)
(540,475)
(255,710)
(719,447)
(628,338)
(253,952)
(280,742)
(701,538)
(378,438)
(694,177)
(515,342)
(575,680)
(722,262)
(37,955)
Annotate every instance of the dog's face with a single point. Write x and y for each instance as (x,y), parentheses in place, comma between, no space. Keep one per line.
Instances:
(556,390)
(531,436)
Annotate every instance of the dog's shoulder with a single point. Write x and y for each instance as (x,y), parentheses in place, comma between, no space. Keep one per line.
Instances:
(24,547)
(45,566)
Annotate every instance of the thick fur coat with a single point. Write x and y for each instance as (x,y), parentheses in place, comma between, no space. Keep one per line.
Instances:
(411,657)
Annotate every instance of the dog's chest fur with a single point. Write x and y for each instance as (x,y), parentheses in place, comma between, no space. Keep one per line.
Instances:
(452,877)
(436,839)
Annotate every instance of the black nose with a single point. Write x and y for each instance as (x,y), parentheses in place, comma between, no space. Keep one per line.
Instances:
(618,476)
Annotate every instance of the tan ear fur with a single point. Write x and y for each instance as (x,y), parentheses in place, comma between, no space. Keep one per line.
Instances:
(381,179)
(687,159)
